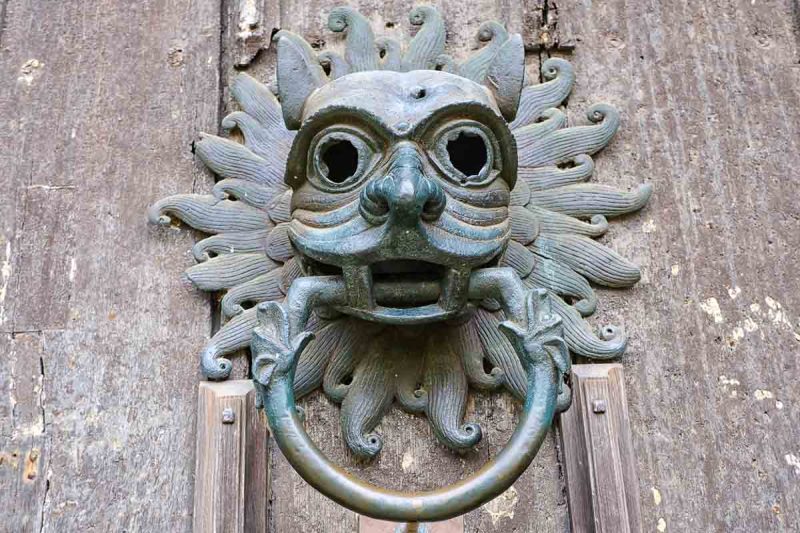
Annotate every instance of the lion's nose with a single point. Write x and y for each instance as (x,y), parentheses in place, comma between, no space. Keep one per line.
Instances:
(404,194)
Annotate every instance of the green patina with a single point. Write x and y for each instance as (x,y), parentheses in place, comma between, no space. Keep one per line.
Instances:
(398,227)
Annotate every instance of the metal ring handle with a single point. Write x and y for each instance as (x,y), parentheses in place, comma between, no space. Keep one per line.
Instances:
(440,504)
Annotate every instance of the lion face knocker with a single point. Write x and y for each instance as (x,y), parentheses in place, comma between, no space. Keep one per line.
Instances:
(401,186)
(395,224)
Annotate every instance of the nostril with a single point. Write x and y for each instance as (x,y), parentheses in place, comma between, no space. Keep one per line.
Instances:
(432,210)
(375,213)
(434,205)
(372,203)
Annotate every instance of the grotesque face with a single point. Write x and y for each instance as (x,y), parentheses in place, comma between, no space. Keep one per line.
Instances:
(401,184)
(398,226)
(396,180)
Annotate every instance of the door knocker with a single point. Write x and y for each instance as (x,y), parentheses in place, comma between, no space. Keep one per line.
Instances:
(394,224)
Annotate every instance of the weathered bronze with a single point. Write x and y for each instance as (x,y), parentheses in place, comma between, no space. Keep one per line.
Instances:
(398,223)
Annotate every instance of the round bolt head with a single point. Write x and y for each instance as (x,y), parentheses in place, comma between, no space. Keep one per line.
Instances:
(228,416)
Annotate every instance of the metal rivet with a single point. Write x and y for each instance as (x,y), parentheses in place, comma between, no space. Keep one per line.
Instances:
(228,416)
(599,406)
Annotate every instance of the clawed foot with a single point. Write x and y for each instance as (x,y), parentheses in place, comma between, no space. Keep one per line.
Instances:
(542,337)
(275,355)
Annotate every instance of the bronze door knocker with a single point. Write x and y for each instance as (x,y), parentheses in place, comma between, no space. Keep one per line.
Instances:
(394,223)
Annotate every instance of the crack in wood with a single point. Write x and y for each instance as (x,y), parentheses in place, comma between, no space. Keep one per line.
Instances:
(547,35)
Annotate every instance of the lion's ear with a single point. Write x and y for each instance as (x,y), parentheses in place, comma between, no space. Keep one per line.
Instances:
(299,74)
(506,75)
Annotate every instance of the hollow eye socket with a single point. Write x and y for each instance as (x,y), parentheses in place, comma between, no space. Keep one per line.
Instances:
(340,159)
(466,154)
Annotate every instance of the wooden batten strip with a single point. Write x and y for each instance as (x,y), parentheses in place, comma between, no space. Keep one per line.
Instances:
(231,475)
(599,461)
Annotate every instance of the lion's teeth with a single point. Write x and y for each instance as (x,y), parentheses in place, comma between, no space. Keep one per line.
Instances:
(358,280)
(454,289)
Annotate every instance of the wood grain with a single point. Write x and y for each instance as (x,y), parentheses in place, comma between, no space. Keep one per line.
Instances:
(231,477)
(598,458)
(709,96)
(100,104)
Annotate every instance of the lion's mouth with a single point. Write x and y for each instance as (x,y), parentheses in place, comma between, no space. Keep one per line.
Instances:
(410,274)
(399,290)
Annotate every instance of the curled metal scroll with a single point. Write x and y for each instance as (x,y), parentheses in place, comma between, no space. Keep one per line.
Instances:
(392,193)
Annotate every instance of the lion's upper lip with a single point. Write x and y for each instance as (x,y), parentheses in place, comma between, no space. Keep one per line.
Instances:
(400,273)
(356,242)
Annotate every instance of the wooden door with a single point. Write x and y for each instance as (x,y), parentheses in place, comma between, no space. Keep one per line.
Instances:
(100,104)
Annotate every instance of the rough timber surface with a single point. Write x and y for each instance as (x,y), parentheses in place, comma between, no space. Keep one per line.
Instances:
(231,478)
(99,374)
(100,103)
(709,94)
(596,454)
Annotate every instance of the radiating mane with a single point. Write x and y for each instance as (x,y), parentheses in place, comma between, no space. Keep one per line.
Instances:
(556,213)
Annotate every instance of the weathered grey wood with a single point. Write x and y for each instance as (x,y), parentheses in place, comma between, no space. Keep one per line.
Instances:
(231,477)
(709,100)
(370,525)
(709,94)
(250,28)
(100,104)
(598,459)
(25,448)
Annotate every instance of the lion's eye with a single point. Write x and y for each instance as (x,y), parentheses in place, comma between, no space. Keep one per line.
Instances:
(340,159)
(466,154)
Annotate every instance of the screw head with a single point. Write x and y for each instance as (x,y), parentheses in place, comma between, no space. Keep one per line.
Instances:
(228,416)
(599,406)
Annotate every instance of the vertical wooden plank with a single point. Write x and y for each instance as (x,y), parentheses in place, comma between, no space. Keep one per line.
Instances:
(622,427)
(575,464)
(100,103)
(709,96)
(25,449)
(597,452)
(257,476)
(605,463)
(231,472)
